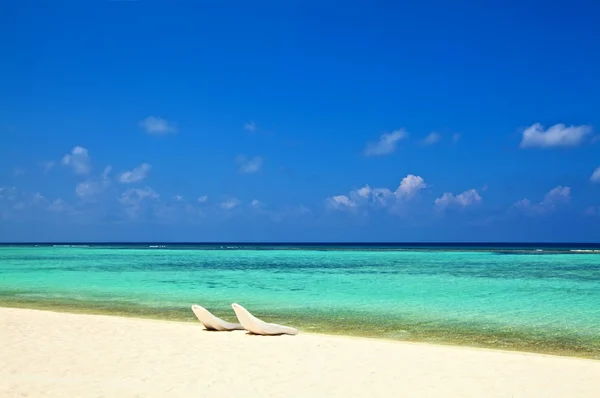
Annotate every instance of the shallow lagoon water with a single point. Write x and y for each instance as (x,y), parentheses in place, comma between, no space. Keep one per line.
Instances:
(510,298)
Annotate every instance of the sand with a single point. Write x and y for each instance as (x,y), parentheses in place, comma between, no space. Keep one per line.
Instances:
(48,354)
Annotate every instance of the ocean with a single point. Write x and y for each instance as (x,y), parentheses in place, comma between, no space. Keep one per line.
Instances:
(534,297)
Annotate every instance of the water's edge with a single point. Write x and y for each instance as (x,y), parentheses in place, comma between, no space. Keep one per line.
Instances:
(376,327)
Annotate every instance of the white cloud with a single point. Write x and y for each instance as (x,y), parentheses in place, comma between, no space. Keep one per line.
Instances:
(558,135)
(455,138)
(431,138)
(557,196)
(136,175)
(249,165)
(78,159)
(464,199)
(157,126)
(383,197)
(178,198)
(341,202)
(230,204)
(595,177)
(250,126)
(387,143)
(203,199)
(410,185)
(256,203)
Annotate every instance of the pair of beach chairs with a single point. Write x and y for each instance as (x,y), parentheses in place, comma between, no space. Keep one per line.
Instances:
(247,322)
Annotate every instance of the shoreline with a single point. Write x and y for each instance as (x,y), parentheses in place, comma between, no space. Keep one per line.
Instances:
(59,354)
(342,333)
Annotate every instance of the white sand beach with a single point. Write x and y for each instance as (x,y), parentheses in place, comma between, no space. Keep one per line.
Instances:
(48,354)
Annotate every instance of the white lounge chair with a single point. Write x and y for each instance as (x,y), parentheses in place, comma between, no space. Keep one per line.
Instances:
(256,326)
(211,322)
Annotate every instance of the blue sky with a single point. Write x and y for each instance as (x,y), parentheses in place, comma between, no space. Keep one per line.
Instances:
(299,121)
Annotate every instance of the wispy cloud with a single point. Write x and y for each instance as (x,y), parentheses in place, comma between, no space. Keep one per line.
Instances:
(37,200)
(133,199)
(592,211)
(134,196)
(18,171)
(8,193)
(250,126)
(432,138)
(203,199)
(106,172)
(230,204)
(560,195)
(78,159)
(58,206)
(47,166)
(558,135)
(23,205)
(455,137)
(157,126)
(461,200)
(88,190)
(595,177)
(386,144)
(136,175)
(249,165)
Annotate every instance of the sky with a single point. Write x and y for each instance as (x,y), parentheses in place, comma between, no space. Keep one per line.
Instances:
(300,121)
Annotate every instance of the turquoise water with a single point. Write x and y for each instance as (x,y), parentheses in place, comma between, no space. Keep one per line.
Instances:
(503,298)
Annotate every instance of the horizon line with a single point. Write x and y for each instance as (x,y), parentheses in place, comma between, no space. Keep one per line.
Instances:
(65,242)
